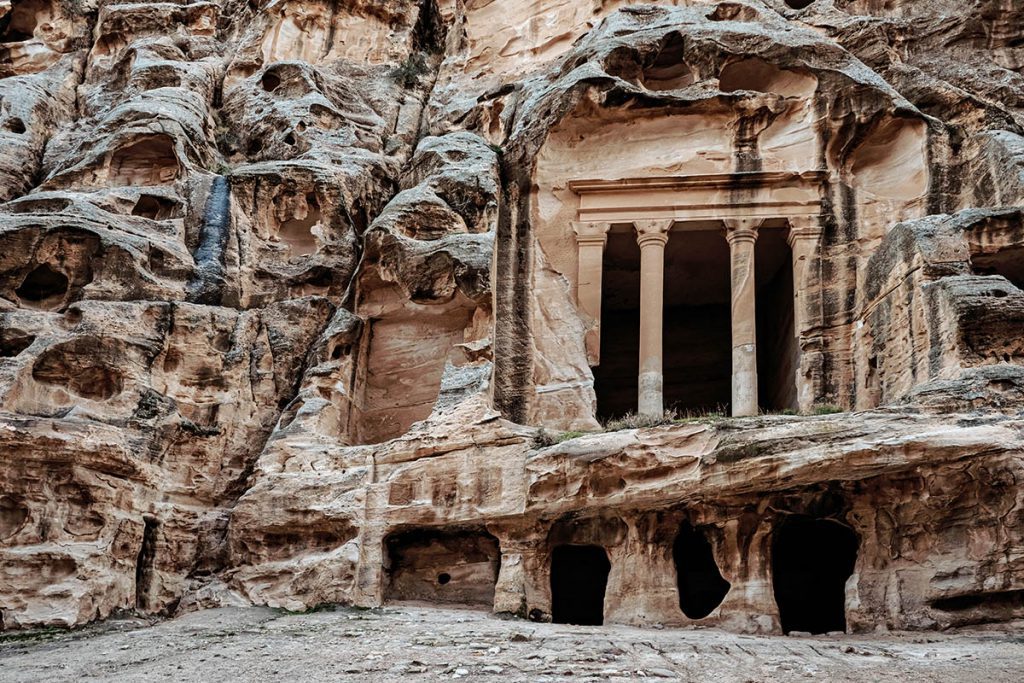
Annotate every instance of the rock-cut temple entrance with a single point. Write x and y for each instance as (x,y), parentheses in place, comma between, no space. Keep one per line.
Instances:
(692,287)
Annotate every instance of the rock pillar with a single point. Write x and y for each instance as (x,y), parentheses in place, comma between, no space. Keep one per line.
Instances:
(804,242)
(742,236)
(651,236)
(591,238)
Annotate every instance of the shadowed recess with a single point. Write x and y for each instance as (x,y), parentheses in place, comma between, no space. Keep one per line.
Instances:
(579,576)
(811,561)
(701,586)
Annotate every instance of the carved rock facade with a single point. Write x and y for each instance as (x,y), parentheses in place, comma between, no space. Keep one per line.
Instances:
(294,295)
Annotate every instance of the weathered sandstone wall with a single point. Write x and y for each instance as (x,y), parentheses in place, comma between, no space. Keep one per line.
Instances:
(294,307)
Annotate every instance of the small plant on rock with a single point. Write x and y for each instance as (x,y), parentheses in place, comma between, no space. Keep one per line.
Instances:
(407,74)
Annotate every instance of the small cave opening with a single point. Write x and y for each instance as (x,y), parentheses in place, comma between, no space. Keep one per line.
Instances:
(579,578)
(270,81)
(757,75)
(668,70)
(144,564)
(23,19)
(799,4)
(454,566)
(148,161)
(13,342)
(1008,262)
(296,215)
(153,207)
(15,125)
(44,287)
(701,586)
(811,562)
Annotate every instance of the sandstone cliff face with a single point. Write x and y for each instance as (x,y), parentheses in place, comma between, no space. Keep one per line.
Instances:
(292,308)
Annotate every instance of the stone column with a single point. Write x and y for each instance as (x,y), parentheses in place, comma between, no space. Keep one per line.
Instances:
(742,235)
(591,238)
(804,241)
(651,236)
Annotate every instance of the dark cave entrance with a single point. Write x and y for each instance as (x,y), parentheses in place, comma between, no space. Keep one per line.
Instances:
(579,577)
(811,561)
(44,287)
(701,586)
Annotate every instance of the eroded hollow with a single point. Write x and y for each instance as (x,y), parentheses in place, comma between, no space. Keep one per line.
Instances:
(148,161)
(13,342)
(758,75)
(23,19)
(443,566)
(12,516)
(400,369)
(153,207)
(701,586)
(579,578)
(296,214)
(811,562)
(44,287)
(668,70)
(799,4)
(1008,262)
(86,366)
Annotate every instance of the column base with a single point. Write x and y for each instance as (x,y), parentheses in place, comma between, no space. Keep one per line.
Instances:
(651,396)
(744,380)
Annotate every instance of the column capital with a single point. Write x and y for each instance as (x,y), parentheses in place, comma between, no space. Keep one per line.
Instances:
(648,232)
(591,231)
(804,228)
(742,229)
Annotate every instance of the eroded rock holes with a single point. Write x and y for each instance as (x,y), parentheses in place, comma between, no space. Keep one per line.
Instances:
(44,287)
(579,577)
(148,161)
(811,561)
(85,366)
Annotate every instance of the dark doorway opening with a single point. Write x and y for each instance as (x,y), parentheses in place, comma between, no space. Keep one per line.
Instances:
(1008,262)
(144,564)
(701,586)
(778,352)
(698,331)
(615,379)
(579,577)
(811,561)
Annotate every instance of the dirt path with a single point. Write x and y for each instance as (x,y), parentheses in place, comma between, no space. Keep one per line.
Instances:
(411,643)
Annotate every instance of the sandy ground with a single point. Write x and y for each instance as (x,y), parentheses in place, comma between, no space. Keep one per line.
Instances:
(421,644)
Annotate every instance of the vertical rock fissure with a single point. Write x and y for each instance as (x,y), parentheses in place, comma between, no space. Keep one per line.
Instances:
(144,564)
